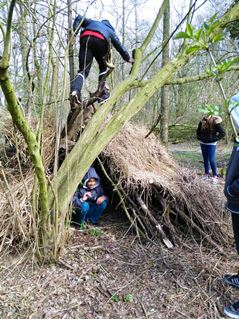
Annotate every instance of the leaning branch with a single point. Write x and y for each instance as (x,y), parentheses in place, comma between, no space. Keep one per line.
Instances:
(154,26)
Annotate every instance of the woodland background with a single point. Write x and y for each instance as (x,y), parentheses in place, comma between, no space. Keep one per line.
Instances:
(165,235)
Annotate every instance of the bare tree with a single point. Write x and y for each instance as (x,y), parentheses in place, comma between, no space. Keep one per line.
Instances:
(165,89)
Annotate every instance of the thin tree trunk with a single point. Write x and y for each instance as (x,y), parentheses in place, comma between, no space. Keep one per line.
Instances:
(123,35)
(165,89)
(70,42)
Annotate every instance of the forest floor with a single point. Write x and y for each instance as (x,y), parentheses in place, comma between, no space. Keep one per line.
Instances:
(108,273)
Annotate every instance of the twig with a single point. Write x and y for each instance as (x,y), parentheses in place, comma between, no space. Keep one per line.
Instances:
(155,124)
(163,236)
(144,310)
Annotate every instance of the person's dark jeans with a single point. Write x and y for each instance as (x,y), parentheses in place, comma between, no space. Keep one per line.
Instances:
(209,158)
(235,226)
(88,212)
(90,48)
(92,212)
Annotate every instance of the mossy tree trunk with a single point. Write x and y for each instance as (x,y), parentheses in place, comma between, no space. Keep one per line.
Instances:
(44,231)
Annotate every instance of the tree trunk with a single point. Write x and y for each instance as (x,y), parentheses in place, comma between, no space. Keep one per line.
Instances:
(44,231)
(165,89)
(70,42)
(123,35)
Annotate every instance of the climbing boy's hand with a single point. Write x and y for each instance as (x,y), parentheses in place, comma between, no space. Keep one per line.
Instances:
(131,60)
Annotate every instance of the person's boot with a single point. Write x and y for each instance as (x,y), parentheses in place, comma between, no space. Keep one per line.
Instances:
(76,85)
(75,98)
(105,95)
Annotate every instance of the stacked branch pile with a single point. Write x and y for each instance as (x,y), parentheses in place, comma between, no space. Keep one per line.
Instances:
(175,197)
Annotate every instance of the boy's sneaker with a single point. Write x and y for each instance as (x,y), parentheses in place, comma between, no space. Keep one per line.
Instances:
(214,179)
(232,311)
(231,280)
(205,177)
(75,97)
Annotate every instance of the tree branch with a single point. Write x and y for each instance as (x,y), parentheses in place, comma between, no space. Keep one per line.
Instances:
(7,42)
(200,77)
(3,32)
(154,26)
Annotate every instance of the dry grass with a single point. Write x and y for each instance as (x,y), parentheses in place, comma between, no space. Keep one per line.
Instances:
(17,221)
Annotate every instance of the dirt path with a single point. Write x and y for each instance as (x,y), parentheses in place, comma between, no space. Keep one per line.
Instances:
(107,273)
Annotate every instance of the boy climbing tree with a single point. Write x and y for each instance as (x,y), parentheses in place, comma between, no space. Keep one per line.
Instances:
(95,39)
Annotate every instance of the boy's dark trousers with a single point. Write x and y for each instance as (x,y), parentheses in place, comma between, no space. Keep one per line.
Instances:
(90,47)
(235,226)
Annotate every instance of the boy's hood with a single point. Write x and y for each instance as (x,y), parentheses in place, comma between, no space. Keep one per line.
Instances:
(91,173)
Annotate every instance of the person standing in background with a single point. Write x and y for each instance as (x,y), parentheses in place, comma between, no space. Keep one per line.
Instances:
(210,131)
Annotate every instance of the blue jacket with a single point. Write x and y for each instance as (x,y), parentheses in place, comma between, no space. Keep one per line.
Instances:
(231,189)
(105,28)
(96,192)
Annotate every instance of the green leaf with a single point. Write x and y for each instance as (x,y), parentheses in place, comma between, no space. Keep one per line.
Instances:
(231,62)
(212,27)
(210,109)
(127,298)
(209,71)
(189,30)
(182,35)
(212,19)
(115,298)
(193,48)
(198,34)
(205,25)
(201,110)
(217,38)
(96,232)
(227,103)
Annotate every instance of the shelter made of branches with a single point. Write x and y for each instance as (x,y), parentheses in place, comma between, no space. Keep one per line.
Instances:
(159,197)
(155,190)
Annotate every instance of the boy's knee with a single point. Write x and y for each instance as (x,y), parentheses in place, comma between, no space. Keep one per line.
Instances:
(104,204)
(85,207)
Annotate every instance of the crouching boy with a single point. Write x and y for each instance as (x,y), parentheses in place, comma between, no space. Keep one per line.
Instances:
(89,202)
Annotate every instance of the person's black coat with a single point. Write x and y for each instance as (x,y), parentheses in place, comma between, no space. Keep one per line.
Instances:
(210,136)
(231,189)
